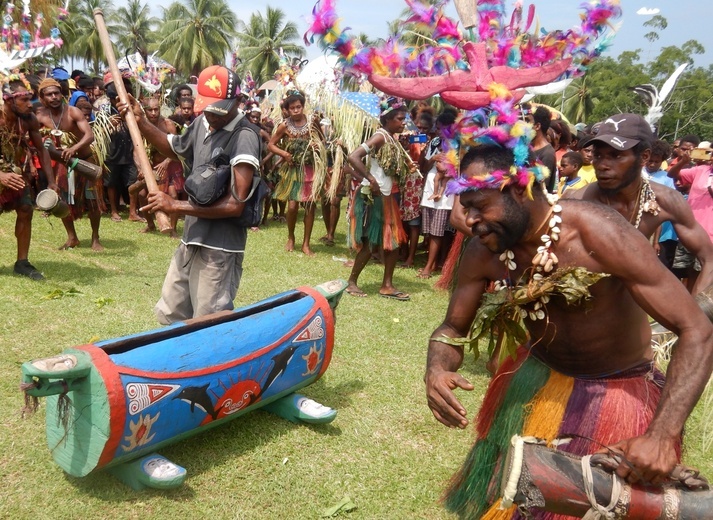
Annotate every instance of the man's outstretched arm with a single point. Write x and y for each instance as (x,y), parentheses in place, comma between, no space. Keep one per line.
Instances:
(626,254)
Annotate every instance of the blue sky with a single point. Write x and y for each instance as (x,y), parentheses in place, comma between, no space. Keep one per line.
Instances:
(687,19)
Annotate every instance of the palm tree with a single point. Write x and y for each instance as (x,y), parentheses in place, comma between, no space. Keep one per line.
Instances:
(81,40)
(196,34)
(80,32)
(134,29)
(260,42)
(578,101)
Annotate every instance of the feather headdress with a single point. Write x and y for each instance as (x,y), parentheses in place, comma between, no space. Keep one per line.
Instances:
(500,125)
(508,44)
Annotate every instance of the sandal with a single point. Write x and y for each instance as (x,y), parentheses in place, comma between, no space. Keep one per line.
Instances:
(356,292)
(398,295)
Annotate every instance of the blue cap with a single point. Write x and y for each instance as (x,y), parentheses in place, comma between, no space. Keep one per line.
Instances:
(60,73)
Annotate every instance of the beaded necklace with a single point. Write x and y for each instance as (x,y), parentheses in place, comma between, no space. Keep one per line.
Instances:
(297,131)
(645,203)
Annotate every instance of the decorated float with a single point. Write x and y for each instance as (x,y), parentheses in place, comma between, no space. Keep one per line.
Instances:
(112,404)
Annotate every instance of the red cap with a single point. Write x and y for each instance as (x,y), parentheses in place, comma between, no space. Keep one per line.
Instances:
(218,89)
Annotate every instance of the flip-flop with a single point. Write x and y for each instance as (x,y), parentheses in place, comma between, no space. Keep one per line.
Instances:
(357,293)
(398,295)
(424,276)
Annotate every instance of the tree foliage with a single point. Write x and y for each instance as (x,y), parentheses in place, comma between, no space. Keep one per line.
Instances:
(79,31)
(196,34)
(606,90)
(261,41)
(134,28)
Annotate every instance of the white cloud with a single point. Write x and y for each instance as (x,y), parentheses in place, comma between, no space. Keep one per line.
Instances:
(648,11)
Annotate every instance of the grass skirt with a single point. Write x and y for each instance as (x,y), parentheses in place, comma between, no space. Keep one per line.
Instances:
(527,397)
(379,222)
(295,183)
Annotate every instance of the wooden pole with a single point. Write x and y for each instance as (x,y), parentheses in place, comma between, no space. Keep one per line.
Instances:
(162,220)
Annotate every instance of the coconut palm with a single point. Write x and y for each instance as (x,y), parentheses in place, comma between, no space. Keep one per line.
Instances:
(262,39)
(80,32)
(196,34)
(578,101)
(134,28)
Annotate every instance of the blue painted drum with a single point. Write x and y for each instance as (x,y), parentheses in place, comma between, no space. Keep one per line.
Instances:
(132,395)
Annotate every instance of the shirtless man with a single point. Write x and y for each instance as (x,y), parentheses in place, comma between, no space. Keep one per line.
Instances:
(60,118)
(18,122)
(621,150)
(604,344)
(165,168)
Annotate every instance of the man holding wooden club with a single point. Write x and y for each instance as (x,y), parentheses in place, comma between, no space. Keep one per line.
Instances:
(205,272)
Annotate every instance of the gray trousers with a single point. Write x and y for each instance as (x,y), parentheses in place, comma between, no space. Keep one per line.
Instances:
(199,281)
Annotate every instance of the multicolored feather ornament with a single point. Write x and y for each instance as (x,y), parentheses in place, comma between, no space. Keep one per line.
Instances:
(461,67)
(502,125)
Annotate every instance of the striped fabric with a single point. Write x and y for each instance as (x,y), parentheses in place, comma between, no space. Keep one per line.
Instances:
(528,398)
(379,222)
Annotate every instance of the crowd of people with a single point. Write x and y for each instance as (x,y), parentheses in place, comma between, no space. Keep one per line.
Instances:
(596,203)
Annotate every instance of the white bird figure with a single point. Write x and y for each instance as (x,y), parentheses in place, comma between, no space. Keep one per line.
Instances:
(655,98)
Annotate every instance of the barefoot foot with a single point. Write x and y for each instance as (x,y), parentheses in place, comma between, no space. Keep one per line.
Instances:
(96,246)
(290,245)
(69,244)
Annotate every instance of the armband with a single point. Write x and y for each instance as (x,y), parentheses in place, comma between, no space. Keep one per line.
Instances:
(366,147)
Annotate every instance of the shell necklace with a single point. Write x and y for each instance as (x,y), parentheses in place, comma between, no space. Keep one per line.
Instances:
(544,261)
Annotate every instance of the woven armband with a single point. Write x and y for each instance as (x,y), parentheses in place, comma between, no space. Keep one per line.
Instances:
(366,147)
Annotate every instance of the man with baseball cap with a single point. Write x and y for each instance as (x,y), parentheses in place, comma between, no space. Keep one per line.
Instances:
(622,148)
(205,271)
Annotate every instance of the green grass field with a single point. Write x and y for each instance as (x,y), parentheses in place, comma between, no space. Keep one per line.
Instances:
(384,450)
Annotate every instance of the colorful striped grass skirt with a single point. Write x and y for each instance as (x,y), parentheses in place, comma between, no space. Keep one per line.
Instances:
(379,222)
(528,398)
(295,183)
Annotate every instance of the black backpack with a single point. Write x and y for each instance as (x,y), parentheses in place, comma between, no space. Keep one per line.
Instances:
(208,182)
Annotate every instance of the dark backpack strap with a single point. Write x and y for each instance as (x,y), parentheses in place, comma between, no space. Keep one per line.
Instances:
(256,182)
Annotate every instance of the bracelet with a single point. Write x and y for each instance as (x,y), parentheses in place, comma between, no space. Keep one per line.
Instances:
(366,147)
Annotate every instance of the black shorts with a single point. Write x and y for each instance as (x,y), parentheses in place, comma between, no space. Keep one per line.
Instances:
(120,175)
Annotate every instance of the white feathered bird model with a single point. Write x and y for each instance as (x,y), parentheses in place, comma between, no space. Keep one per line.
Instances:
(655,99)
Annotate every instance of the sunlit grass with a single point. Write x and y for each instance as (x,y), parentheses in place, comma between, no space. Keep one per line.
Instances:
(384,450)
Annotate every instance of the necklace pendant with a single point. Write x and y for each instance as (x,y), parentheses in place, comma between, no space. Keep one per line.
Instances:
(56,132)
